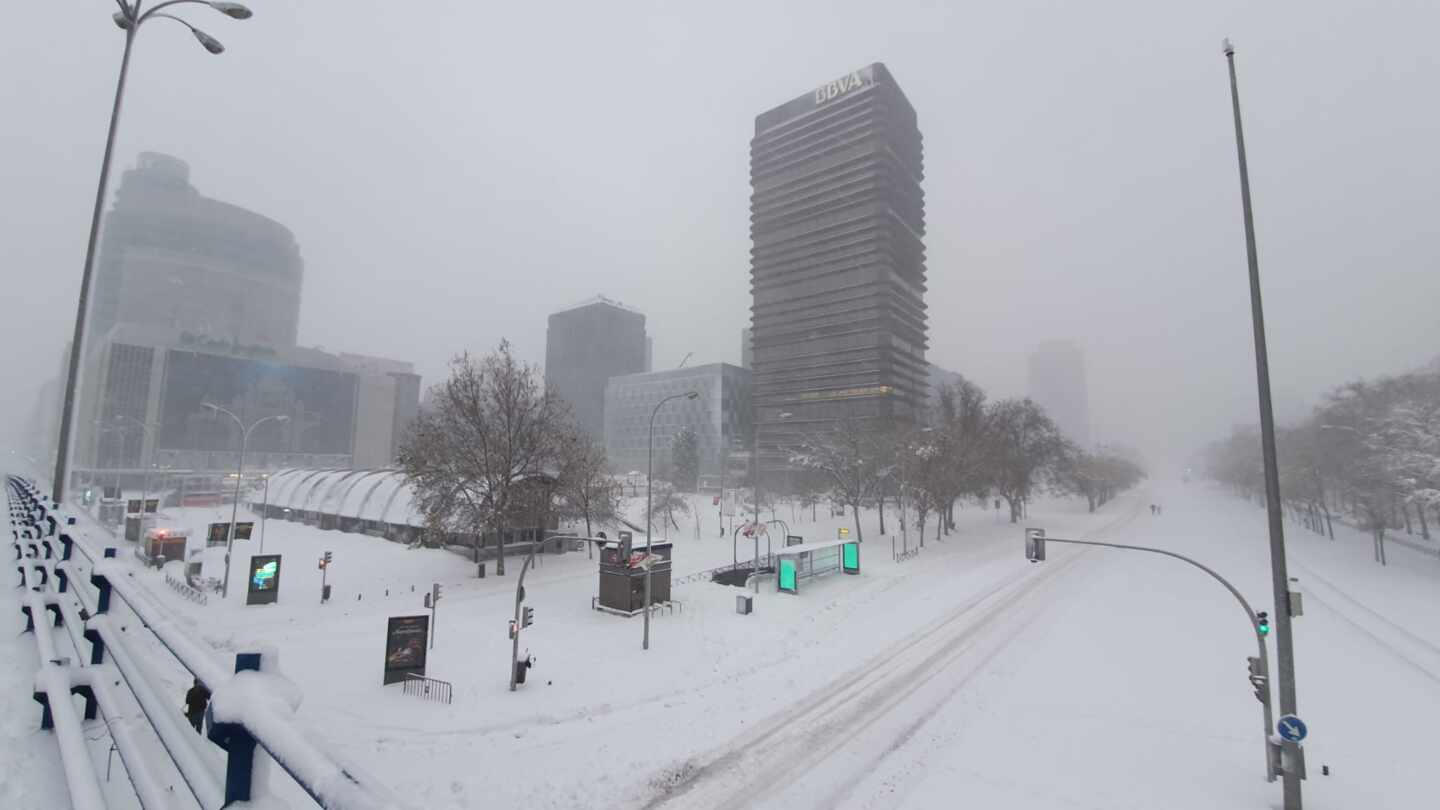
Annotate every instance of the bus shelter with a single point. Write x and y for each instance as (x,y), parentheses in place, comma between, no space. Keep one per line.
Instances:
(807,560)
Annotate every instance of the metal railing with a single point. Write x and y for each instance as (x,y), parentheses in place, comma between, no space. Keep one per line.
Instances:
(427,688)
(246,689)
(185,590)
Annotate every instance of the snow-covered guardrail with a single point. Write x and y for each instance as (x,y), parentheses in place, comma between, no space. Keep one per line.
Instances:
(251,706)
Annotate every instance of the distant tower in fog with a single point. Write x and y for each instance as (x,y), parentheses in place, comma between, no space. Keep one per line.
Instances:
(585,346)
(1057,383)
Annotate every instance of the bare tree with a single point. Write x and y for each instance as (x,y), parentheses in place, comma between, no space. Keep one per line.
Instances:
(1026,448)
(492,426)
(848,458)
(587,489)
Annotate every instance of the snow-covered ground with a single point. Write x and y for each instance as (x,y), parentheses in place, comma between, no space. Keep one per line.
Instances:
(963,677)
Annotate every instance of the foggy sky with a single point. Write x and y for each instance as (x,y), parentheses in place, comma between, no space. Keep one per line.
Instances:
(453,171)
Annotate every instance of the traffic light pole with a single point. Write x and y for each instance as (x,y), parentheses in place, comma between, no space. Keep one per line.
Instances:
(519,598)
(1258,625)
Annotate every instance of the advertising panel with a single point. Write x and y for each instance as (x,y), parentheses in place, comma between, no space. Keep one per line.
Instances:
(132,506)
(152,505)
(405,647)
(850,558)
(786,580)
(243,530)
(264,579)
(215,535)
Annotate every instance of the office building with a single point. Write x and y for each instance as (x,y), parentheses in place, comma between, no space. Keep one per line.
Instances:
(1057,384)
(720,416)
(342,411)
(747,351)
(585,346)
(173,258)
(837,260)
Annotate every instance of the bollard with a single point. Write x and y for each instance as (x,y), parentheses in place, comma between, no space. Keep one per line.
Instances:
(239,745)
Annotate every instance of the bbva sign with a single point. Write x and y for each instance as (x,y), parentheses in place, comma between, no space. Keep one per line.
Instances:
(833,90)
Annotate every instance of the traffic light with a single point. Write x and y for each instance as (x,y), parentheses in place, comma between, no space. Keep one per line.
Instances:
(1035,545)
(328,557)
(1262,623)
(1259,680)
(325,561)
(435,593)
(528,617)
(512,629)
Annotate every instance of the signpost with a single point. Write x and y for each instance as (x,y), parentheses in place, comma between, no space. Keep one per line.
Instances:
(405,647)
(1291,728)
(432,599)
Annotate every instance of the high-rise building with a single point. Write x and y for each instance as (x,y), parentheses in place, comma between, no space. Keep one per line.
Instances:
(720,416)
(747,351)
(173,258)
(585,346)
(1057,384)
(837,259)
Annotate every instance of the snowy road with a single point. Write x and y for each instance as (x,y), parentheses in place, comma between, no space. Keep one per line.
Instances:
(1109,680)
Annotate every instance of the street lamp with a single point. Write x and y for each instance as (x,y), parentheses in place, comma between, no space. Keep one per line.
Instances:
(239,476)
(1292,756)
(129,18)
(649,475)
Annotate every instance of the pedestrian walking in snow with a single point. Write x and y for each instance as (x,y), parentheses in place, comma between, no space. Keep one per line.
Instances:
(195,702)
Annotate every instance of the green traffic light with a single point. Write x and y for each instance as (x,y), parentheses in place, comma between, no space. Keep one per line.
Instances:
(1262,624)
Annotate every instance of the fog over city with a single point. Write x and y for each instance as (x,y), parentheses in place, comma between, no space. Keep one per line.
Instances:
(453,172)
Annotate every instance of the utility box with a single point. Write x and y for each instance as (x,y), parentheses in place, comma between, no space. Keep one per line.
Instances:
(744,605)
(622,576)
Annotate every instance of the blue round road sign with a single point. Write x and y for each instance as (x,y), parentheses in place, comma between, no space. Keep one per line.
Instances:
(1291,728)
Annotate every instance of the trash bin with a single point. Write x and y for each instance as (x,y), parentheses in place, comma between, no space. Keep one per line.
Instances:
(744,605)
(482,570)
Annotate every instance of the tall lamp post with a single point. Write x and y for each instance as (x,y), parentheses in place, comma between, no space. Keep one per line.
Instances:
(129,18)
(239,476)
(649,476)
(1292,763)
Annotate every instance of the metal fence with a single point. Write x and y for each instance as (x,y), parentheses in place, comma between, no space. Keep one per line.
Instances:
(185,590)
(427,688)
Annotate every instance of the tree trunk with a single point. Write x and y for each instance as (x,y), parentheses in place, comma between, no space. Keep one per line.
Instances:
(1091,499)
(1424,527)
(1405,510)
(1329,526)
(882,514)
(500,551)
(859,534)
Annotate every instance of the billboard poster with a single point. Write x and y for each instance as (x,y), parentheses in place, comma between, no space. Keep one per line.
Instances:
(405,638)
(264,588)
(850,558)
(132,506)
(152,505)
(215,535)
(243,530)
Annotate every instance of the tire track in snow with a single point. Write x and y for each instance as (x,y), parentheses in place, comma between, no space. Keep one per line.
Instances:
(1421,654)
(734,775)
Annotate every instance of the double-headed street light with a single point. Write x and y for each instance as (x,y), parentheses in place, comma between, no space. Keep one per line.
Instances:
(129,18)
(649,475)
(239,476)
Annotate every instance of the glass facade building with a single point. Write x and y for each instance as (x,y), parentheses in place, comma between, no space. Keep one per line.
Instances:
(720,417)
(837,259)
